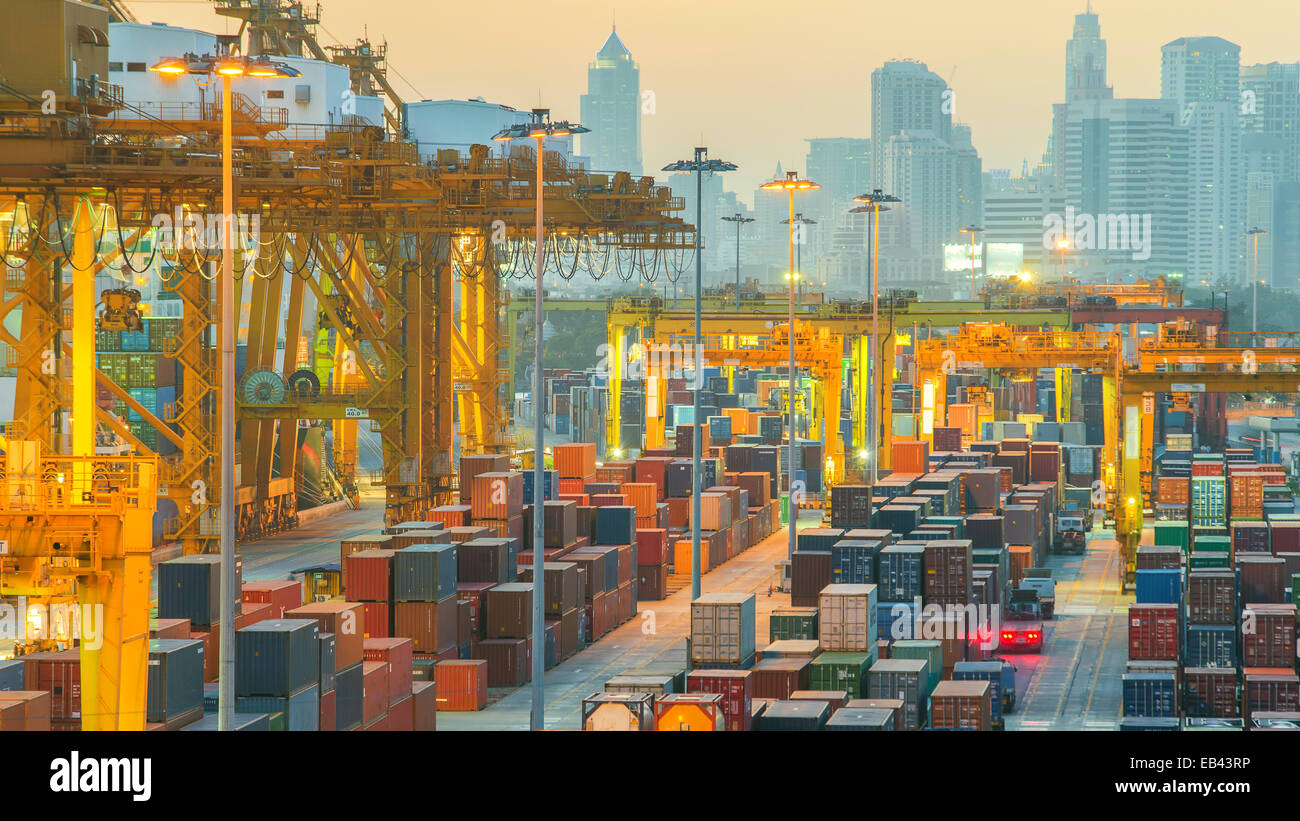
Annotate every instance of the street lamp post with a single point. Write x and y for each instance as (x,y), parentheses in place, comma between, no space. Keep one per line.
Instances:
(875,203)
(539,127)
(227,66)
(700,165)
(974,231)
(1062,245)
(1254,233)
(791,184)
(739,219)
(801,221)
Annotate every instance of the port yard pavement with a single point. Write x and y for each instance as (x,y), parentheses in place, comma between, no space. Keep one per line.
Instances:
(628,647)
(1075,683)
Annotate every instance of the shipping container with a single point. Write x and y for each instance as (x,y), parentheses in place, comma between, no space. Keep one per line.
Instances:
(462,684)
(722,630)
(619,712)
(961,705)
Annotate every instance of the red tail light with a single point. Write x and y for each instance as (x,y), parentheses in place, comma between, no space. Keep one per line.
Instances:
(1033,636)
(1008,636)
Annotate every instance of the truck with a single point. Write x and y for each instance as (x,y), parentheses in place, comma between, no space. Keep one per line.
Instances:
(1035,597)
(1021,635)
(1070,532)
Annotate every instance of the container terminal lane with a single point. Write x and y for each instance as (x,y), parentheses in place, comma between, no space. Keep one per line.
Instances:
(290,448)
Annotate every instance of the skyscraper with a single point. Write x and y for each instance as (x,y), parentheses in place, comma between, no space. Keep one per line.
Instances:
(1202,76)
(1270,127)
(907,96)
(920,169)
(1085,79)
(611,108)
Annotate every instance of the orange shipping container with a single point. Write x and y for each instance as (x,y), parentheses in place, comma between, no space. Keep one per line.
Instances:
(498,495)
(346,620)
(575,460)
(1021,558)
(962,416)
(682,557)
(739,420)
(570,485)
(641,495)
(461,684)
(911,456)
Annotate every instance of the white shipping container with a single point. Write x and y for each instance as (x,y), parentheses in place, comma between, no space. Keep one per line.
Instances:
(715,511)
(722,629)
(846,618)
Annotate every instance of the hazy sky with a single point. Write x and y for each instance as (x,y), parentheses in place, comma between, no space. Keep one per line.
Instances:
(756,78)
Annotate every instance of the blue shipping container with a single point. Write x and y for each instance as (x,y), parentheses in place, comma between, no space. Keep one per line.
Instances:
(1210,645)
(348,698)
(1150,695)
(175,682)
(854,561)
(277,657)
(895,621)
(424,572)
(901,573)
(242,722)
(301,710)
(615,524)
(189,587)
(11,674)
(1160,586)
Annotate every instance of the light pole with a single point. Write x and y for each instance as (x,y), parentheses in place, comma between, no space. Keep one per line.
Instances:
(226,66)
(538,127)
(1254,233)
(875,202)
(801,221)
(1062,245)
(791,184)
(974,231)
(700,165)
(739,219)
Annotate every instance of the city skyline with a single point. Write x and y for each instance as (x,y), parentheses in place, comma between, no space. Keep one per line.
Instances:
(720,90)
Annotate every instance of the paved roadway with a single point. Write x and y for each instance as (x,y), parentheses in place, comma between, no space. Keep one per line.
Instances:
(1074,684)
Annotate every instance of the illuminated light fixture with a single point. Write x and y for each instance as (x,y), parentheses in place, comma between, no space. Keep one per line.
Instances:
(538,127)
(230,68)
(224,65)
(864,454)
(171,66)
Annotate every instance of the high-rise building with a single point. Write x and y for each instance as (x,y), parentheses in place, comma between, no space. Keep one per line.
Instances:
(1085,61)
(1202,76)
(1125,164)
(1270,107)
(920,169)
(1017,217)
(611,108)
(969,183)
(907,96)
(842,166)
(1085,79)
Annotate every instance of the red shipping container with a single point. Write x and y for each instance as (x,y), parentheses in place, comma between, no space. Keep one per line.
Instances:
(281,595)
(379,725)
(1211,596)
(370,576)
(374,691)
(507,661)
(1153,632)
(397,652)
(777,678)
(472,592)
(210,665)
(625,602)
(328,711)
(583,499)
(1262,578)
(378,619)
(651,546)
(451,515)
(1271,642)
(1211,692)
(652,582)
(1285,537)
(608,500)
(346,620)
(251,613)
(1269,689)
(431,627)
(612,609)
(472,465)
(401,714)
(652,469)
(462,684)
(424,707)
(571,486)
(59,674)
(169,628)
(498,495)
(1172,490)
(736,688)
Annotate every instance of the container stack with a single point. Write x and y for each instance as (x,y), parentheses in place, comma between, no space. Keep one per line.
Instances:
(189,587)
(278,672)
(425,601)
(497,503)
(345,623)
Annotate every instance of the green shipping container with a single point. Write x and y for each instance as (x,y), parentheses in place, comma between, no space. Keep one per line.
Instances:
(960,521)
(1213,544)
(846,672)
(798,623)
(930,651)
(1171,534)
(1214,560)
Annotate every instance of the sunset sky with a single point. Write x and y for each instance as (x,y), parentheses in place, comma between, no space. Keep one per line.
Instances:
(755,79)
